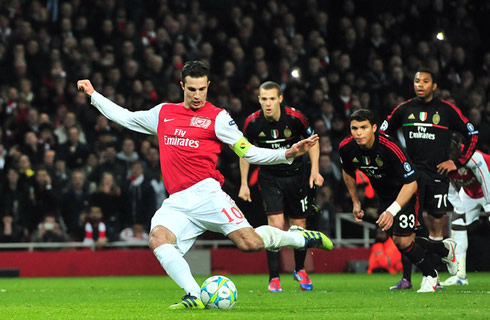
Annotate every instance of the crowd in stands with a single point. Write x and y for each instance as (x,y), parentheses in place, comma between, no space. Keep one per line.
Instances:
(67,173)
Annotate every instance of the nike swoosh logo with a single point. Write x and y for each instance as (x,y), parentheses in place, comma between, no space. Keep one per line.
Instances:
(454,256)
(167,120)
(239,222)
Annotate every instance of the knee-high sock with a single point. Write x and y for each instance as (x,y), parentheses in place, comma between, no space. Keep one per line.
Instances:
(177,268)
(416,255)
(273,260)
(299,259)
(407,268)
(275,238)
(461,238)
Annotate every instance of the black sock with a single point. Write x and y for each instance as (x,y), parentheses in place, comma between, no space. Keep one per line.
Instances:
(299,259)
(416,255)
(274,260)
(407,268)
(432,246)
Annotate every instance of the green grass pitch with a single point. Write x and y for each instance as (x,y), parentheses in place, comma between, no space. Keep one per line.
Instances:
(335,296)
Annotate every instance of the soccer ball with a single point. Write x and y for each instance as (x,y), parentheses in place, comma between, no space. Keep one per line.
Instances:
(218,292)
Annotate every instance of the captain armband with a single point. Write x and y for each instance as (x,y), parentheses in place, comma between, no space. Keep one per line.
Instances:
(394,208)
(241,147)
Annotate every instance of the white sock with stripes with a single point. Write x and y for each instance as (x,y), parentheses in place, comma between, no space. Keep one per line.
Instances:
(275,238)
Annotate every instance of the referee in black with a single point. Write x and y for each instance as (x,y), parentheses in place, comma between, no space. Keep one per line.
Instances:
(284,187)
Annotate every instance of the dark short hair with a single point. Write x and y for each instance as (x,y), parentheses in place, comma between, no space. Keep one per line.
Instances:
(362,115)
(195,69)
(433,75)
(271,85)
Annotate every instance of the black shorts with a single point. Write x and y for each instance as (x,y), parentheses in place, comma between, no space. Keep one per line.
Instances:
(286,194)
(406,221)
(432,193)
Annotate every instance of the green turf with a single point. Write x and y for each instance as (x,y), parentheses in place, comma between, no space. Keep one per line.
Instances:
(336,296)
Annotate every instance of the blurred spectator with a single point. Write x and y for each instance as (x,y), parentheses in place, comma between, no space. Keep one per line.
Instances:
(49,230)
(108,163)
(73,151)
(95,228)
(108,198)
(74,202)
(9,230)
(135,234)
(127,155)
(139,195)
(63,131)
(45,199)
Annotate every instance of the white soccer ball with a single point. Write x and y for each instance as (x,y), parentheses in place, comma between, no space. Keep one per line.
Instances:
(218,292)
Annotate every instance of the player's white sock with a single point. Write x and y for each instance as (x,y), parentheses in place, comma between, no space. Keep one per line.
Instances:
(461,238)
(177,268)
(276,238)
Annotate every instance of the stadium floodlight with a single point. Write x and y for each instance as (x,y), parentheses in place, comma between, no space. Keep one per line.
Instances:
(440,36)
(296,73)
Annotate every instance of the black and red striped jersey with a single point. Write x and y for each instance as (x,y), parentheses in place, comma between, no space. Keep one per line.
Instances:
(386,164)
(427,129)
(291,128)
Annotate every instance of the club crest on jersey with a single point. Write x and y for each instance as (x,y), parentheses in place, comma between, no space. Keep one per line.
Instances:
(200,122)
(423,116)
(379,161)
(287,132)
(366,160)
(275,133)
(436,118)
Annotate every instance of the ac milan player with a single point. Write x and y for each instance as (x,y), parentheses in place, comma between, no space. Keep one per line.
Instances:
(284,188)
(473,183)
(191,135)
(394,178)
(427,124)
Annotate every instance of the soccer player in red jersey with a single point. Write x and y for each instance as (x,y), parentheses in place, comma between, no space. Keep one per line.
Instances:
(473,183)
(191,135)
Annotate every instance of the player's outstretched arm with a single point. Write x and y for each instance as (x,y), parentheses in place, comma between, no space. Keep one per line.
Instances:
(141,121)
(301,147)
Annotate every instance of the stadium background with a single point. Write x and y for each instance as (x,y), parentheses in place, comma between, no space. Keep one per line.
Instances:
(330,58)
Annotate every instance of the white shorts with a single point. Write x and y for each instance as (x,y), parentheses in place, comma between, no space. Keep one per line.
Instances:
(199,208)
(472,208)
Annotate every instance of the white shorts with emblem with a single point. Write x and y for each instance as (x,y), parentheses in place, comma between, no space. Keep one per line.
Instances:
(191,212)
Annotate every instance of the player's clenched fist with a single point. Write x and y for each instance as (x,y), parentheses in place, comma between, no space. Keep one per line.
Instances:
(85,86)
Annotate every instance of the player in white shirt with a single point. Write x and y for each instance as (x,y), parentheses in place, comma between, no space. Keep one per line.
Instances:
(473,183)
(191,135)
